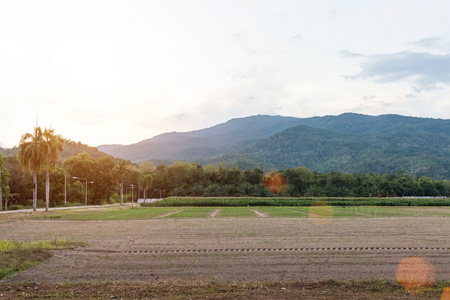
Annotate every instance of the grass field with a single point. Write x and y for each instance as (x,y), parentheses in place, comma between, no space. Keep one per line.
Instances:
(116,213)
(143,213)
(16,256)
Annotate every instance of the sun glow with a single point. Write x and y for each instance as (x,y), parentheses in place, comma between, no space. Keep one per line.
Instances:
(415,273)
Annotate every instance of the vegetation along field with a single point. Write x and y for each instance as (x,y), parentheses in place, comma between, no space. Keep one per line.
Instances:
(172,252)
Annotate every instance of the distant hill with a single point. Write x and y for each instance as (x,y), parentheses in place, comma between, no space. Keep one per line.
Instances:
(324,150)
(205,143)
(70,148)
(349,143)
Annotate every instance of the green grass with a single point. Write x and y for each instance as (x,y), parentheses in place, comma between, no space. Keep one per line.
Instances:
(17,256)
(192,212)
(417,211)
(144,213)
(11,246)
(136,213)
(236,212)
(286,212)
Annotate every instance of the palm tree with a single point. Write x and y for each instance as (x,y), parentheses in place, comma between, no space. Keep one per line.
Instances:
(53,146)
(145,182)
(32,156)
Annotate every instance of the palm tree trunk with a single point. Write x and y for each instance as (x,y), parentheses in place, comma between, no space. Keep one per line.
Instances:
(47,190)
(35,190)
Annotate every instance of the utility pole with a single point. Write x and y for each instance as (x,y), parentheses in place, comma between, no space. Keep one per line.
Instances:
(85,201)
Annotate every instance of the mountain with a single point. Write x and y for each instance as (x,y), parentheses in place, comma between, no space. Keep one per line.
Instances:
(350,143)
(70,148)
(324,150)
(205,143)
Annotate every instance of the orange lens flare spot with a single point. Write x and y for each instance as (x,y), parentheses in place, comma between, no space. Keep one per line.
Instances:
(415,273)
(275,183)
(446,294)
(320,213)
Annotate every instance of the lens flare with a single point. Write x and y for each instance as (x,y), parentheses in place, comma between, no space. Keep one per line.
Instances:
(275,183)
(446,294)
(320,213)
(415,273)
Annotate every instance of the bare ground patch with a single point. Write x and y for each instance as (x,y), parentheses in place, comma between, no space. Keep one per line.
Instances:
(260,213)
(214,214)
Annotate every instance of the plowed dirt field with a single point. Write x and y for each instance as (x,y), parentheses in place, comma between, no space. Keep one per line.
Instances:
(235,249)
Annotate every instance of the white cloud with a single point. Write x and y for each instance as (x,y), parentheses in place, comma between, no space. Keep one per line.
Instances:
(425,71)
(429,42)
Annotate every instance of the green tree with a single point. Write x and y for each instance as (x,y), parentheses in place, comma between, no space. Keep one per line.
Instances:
(253,177)
(161,178)
(21,181)
(147,167)
(32,150)
(428,186)
(83,166)
(4,179)
(121,173)
(145,183)
(54,146)
(233,176)
(196,175)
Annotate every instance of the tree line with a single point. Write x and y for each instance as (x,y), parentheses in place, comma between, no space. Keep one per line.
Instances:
(183,179)
(112,180)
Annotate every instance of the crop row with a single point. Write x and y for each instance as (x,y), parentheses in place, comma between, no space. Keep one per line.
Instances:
(251,201)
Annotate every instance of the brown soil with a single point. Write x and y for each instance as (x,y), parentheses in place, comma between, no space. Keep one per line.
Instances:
(176,289)
(238,250)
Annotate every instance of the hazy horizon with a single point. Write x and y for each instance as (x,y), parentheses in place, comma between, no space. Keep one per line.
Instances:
(119,72)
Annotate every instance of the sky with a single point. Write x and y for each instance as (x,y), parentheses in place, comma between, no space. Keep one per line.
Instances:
(118,72)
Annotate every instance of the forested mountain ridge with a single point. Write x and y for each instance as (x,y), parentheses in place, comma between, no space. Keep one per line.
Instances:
(205,143)
(324,150)
(350,143)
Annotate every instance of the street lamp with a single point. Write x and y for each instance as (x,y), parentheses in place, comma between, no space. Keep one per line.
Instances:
(132,193)
(85,201)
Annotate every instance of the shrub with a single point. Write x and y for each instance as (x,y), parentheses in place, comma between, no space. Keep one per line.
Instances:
(40,203)
(115,198)
(16,207)
(74,204)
